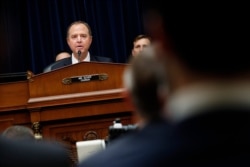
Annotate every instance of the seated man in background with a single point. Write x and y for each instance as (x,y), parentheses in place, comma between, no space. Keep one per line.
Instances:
(59,56)
(79,39)
(18,132)
(140,42)
(62,55)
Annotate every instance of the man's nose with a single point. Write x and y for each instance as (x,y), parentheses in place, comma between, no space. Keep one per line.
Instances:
(78,39)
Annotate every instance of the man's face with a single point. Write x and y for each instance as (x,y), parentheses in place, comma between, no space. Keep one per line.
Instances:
(79,38)
(139,45)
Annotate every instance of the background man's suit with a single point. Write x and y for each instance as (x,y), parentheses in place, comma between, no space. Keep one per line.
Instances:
(68,61)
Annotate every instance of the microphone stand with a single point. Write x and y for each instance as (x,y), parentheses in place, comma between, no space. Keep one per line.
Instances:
(79,55)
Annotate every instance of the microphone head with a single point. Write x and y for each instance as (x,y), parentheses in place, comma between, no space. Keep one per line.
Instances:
(79,52)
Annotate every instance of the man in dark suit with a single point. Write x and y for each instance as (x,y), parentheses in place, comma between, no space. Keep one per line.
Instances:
(204,49)
(79,39)
(30,153)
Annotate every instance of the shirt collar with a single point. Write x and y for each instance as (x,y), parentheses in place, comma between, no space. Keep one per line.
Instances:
(74,60)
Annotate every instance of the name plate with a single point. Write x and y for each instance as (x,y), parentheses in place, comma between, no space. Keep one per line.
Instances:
(85,78)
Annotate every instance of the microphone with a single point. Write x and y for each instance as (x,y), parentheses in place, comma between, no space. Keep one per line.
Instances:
(79,55)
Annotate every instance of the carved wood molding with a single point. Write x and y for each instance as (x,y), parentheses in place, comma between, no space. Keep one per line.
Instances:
(71,142)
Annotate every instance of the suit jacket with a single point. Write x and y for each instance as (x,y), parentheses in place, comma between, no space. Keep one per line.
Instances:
(217,137)
(32,154)
(68,61)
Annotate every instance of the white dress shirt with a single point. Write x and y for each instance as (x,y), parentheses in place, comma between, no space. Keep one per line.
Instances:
(74,60)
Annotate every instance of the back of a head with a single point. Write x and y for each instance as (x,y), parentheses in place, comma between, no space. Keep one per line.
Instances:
(62,55)
(144,79)
(18,132)
(207,37)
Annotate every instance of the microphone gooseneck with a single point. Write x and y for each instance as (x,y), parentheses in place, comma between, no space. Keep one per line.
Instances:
(79,55)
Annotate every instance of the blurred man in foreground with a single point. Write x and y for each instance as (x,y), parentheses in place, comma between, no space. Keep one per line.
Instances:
(145,89)
(205,55)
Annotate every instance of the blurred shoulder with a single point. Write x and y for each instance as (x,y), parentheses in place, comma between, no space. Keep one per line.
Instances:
(101,59)
(61,63)
(38,153)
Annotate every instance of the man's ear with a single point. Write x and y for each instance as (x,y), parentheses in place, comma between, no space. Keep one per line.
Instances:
(67,39)
(91,39)
(132,52)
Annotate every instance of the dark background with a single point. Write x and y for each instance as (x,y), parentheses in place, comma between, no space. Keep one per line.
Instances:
(32,32)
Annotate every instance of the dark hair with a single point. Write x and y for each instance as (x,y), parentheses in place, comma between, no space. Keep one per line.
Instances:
(79,22)
(142,36)
(206,37)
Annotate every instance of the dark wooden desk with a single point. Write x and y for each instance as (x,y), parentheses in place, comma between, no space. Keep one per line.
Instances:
(67,112)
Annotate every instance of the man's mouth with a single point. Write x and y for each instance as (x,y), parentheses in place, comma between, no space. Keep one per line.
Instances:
(79,47)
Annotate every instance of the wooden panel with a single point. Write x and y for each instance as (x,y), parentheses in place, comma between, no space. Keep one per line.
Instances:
(76,98)
(67,113)
(16,117)
(83,109)
(50,84)
(82,129)
(13,95)
(5,123)
(77,129)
